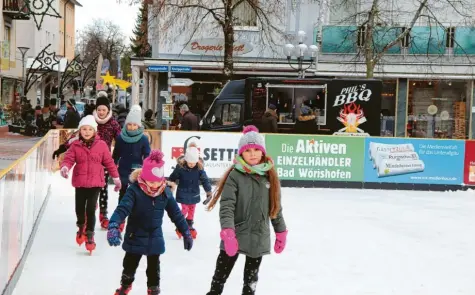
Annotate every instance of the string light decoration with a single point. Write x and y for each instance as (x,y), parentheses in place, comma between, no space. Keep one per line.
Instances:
(43,64)
(74,69)
(38,9)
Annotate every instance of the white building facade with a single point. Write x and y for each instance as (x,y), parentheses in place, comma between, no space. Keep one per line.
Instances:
(432,65)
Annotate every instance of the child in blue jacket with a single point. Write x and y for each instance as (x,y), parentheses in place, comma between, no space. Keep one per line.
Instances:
(190,174)
(145,202)
(131,147)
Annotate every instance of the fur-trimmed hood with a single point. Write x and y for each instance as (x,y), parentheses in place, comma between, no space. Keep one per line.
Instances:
(135,175)
(181,161)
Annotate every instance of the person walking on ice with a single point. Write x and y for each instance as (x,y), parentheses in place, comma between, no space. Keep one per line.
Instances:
(249,194)
(145,202)
(90,154)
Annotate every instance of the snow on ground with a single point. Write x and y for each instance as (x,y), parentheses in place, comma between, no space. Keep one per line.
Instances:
(341,242)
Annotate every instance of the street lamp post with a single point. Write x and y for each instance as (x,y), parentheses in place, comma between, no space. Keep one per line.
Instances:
(23,51)
(299,52)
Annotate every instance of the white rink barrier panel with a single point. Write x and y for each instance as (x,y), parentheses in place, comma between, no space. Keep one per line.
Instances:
(24,187)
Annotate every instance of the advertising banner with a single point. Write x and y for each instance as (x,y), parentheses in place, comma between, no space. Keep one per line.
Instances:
(354,107)
(469,163)
(217,149)
(326,158)
(422,161)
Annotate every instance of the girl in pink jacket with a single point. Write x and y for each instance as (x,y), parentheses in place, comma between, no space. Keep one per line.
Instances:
(90,154)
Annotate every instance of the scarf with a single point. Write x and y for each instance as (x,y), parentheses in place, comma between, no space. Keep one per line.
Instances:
(259,169)
(87,143)
(102,121)
(151,191)
(131,136)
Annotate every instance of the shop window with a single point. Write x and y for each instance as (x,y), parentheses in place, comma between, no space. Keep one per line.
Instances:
(226,115)
(289,100)
(388,108)
(361,36)
(244,14)
(438,109)
(406,41)
(450,37)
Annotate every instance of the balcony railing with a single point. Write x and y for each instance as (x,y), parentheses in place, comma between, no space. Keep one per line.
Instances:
(15,9)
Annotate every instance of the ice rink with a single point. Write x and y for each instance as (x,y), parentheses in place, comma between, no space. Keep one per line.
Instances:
(340,242)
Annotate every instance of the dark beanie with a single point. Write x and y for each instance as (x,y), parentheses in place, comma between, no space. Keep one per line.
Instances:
(103,101)
(148,114)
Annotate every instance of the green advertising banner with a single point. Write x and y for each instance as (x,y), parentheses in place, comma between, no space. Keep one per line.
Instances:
(326,158)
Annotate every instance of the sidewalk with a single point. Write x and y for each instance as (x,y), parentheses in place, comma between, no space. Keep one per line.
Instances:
(13,146)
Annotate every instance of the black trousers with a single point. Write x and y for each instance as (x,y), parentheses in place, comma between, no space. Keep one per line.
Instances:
(224,266)
(122,191)
(104,197)
(131,263)
(86,200)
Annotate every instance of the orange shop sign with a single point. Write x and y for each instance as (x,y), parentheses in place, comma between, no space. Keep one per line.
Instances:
(215,46)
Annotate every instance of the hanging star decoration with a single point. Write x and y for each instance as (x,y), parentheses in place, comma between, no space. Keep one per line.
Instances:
(47,61)
(38,9)
(75,67)
(108,79)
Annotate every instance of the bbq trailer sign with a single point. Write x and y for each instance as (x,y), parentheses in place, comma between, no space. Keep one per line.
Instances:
(354,107)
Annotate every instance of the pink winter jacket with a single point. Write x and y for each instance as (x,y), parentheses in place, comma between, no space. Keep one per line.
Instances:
(90,163)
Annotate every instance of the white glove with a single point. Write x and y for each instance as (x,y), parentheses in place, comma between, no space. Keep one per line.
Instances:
(65,172)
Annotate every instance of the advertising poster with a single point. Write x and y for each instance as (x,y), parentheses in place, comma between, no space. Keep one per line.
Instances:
(354,107)
(217,149)
(326,158)
(422,161)
(469,163)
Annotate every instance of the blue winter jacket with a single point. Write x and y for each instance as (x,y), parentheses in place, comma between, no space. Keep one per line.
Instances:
(189,180)
(130,156)
(144,234)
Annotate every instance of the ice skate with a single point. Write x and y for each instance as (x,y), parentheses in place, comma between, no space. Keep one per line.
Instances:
(81,234)
(123,290)
(193,231)
(155,290)
(104,220)
(178,233)
(90,243)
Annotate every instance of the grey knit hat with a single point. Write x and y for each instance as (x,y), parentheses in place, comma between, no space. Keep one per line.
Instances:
(251,140)
(135,115)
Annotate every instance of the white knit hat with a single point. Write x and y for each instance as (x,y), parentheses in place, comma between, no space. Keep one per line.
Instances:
(192,155)
(88,120)
(135,115)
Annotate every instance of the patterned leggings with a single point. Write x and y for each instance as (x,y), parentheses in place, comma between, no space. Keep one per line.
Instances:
(188,211)
(224,266)
(104,195)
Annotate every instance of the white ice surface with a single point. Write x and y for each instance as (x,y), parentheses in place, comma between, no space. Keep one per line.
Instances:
(341,242)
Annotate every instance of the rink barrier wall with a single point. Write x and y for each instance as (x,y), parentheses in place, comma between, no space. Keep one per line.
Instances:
(24,188)
(340,161)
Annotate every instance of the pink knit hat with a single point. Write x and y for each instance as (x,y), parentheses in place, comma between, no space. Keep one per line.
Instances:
(153,167)
(251,140)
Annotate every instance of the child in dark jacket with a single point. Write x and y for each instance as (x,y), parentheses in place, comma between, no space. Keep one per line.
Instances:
(108,129)
(190,174)
(90,154)
(131,147)
(250,197)
(145,202)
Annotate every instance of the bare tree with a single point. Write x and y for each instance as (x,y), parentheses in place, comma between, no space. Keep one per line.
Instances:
(385,24)
(192,17)
(101,37)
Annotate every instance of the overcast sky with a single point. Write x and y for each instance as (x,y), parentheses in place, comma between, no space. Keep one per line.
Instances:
(124,15)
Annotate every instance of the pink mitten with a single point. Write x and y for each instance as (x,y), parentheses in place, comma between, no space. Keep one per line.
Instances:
(280,240)
(230,243)
(118,184)
(64,172)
